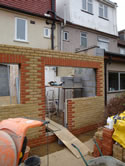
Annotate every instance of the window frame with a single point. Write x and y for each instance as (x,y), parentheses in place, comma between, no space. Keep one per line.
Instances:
(103,11)
(26,30)
(122,49)
(103,40)
(119,81)
(65,32)
(49,32)
(84,38)
(86,9)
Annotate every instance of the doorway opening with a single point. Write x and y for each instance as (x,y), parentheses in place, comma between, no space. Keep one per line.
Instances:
(63,83)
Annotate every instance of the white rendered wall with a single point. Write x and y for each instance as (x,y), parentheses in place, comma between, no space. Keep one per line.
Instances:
(77,16)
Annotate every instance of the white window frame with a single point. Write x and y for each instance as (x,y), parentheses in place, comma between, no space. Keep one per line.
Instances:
(122,51)
(49,33)
(65,32)
(86,8)
(119,88)
(103,6)
(103,40)
(26,29)
(84,38)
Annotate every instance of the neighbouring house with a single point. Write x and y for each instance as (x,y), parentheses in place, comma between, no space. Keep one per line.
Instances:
(88,24)
(29,23)
(115,70)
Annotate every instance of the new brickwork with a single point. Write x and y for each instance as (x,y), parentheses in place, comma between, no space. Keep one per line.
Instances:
(32,69)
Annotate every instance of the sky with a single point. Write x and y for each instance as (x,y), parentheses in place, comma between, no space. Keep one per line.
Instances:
(120,14)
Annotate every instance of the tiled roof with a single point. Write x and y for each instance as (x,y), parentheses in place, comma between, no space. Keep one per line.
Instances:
(38,7)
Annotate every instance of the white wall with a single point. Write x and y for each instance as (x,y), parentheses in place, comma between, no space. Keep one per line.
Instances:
(76,16)
(61,7)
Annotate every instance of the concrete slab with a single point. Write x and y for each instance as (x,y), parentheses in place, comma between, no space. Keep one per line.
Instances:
(63,158)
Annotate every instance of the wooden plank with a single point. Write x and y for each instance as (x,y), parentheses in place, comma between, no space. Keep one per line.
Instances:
(68,139)
(52,127)
(54,124)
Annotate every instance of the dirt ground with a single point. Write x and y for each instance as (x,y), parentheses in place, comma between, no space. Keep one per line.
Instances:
(54,147)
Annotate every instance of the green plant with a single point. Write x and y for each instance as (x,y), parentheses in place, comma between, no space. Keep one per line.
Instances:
(115,106)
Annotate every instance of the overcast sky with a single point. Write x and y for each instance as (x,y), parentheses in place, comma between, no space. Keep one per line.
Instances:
(120,14)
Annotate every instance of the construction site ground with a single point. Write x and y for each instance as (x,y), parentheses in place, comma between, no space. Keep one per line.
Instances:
(63,158)
(54,147)
(59,155)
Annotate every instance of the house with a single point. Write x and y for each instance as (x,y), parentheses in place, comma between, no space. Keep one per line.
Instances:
(25,50)
(29,23)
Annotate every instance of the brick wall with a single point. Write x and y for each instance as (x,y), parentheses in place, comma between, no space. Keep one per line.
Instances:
(85,114)
(32,65)
(22,110)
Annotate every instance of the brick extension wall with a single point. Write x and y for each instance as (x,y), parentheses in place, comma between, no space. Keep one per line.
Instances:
(85,114)
(32,68)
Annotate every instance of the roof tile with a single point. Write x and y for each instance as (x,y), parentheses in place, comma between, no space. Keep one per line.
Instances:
(39,7)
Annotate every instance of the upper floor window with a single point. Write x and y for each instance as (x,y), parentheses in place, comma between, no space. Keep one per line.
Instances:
(66,36)
(87,5)
(122,50)
(21,29)
(103,11)
(103,43)
(47,32)
(83,39)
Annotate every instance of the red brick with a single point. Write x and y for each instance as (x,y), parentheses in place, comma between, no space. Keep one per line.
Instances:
(107,132)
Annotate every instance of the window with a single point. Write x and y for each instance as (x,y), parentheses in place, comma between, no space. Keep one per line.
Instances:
(87,5)
(9,84)
(83,39)
(122,50)
(103,43)
(116,81)
(66,36)
(47,32)
(103,11)
(21,29)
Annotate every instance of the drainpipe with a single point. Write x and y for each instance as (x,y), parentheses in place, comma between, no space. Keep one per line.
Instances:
(62,28)
(53,24)
(105,70)
(107,61)
(53,13)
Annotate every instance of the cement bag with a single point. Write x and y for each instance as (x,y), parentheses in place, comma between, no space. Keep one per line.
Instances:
(119,126)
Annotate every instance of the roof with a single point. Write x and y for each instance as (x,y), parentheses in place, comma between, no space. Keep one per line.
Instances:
(122,31)
(121,43)
(109,2)
(115,56)
(35,7)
